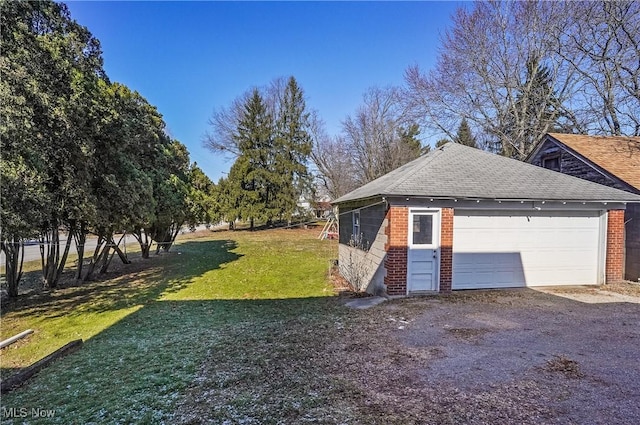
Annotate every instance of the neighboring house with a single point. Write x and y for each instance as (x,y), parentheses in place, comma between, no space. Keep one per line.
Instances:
(318,208)
(612,161)
(323,209)
(462,218)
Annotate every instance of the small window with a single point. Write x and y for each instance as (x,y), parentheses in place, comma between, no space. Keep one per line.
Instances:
(356,225)
(551,162)
(423,229)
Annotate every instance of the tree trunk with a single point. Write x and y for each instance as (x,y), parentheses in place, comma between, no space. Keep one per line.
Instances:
(99,255)
(165,237)
(14,257)
(142,236)
(174,235)
(80,236)
(63,260)
(49,252)
(54,261)
(116,249)
(121,254)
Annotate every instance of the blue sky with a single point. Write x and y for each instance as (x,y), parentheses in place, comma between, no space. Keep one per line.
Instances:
(189,58)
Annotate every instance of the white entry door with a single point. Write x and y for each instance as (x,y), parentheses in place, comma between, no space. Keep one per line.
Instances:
(422,257)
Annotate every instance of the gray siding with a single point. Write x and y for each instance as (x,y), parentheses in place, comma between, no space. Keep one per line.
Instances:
(365,269)
(371,218)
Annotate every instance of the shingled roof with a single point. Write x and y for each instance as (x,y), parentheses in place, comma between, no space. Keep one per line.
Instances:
(617,155)
(454,171)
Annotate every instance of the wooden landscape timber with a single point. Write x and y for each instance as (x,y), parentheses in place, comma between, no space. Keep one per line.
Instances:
(16,380)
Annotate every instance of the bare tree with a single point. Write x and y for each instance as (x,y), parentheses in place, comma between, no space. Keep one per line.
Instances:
(377,135)
(224,124)
(486,74)
(601,42)
(224,121)
(516,70)
(377,139)
(334,165)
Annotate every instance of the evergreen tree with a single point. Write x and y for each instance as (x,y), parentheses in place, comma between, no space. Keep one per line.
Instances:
(442,142)
(226,195)
(50,68)
(78,152)
(409,144)
(535,112)
(252,175)
(464,135)
(202,204)
(292,148)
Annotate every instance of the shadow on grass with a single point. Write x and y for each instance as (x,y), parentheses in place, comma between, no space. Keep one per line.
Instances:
(148,360)
(141,360)
(139,283)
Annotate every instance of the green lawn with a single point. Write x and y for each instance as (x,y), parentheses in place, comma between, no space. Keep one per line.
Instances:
(150,332)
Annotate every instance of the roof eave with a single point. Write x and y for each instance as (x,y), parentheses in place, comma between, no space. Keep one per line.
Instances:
(498,199)
(366,198)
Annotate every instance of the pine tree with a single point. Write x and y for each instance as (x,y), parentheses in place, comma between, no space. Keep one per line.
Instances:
(535,112)
(292,147)
(464,135)
(442,142)
(252,174)
(409,144)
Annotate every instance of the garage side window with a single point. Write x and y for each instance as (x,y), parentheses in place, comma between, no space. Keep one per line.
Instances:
(356,235)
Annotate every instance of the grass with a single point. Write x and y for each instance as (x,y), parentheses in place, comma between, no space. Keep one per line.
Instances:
(149,331)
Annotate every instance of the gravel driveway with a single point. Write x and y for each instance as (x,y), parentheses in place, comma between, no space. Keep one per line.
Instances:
(522,356)
(567,356)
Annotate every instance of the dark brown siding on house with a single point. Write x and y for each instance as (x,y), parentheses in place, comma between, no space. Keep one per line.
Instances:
(345,224)
(573,166)
(632,229)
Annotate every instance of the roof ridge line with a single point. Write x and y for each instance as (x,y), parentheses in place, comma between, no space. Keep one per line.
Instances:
(427,159)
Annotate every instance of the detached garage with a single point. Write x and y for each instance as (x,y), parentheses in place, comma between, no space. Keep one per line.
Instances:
(462,218)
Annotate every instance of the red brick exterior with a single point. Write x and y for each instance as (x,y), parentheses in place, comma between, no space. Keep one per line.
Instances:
(615,246)
(446,249)
(396,260)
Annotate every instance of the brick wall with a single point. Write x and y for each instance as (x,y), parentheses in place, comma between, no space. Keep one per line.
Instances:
(615,246)
(396,247)
(446,249)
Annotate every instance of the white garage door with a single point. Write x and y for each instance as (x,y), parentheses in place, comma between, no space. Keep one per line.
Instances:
(502,249)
